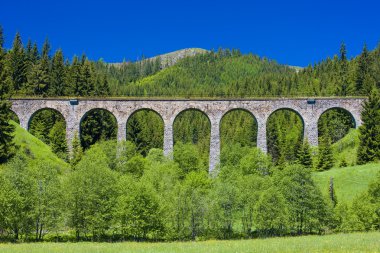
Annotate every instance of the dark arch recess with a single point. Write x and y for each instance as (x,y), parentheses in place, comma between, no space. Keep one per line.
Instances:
(56,115)
(180,116)
(49,126)
(336,122)
(292,110)
(285,132)
(246,137)
(95,125)
(193,126)
(145,128)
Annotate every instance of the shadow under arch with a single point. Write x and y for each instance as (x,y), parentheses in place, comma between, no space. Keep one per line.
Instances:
(291,110)
(190,111)
(49,125)
(193,126)
(338,122)
(97,124)
(285,129)
(14,117)
(54,117)
(253,124)
(145,128)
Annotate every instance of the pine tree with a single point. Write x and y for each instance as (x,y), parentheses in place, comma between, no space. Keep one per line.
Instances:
(332,192)
(17,64)
(369,147)
(87,78)
(58,82)
(45,67)
(344,88)
(5,81)
(57,138)
(304,155)
(105,86)
(77,151)
(38,80)
(325,155)
(74,78)
(35,56)
(7,146)
(29,50)
(362,70)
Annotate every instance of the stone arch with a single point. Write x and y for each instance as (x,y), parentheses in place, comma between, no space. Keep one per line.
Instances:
(192,109)
(283,141)
(355,121)
(203,144)
(292,110)
(14,117)
(158,141)
(146,109)
(342,124)
(242,110)
(42,109)
(111,134)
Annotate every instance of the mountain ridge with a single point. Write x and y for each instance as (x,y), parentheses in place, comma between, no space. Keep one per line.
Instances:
(170,58)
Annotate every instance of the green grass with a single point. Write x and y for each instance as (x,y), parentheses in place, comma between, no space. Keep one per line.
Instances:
(346,148)
(349,181)
(39,150)
(355,242)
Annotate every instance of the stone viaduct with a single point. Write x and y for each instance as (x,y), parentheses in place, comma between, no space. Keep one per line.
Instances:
(74,111)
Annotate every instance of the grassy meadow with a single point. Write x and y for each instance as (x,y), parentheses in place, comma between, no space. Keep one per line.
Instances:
(348,181)
(355,242)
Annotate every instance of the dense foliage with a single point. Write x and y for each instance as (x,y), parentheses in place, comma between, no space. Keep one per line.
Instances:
(369,149)
(7,146)
(121,195)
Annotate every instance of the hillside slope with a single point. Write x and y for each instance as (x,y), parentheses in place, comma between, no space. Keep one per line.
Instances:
(169,59)
(349,181)
(223,73)
(35,148)
(345,149)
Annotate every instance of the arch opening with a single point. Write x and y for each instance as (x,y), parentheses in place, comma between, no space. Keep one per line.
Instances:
(97,125)
(192,131)
(49,126)
(285,131)
(335,123)
(238,131)
(145,128)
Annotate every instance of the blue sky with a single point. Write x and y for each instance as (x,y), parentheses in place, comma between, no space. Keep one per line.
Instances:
(291,32)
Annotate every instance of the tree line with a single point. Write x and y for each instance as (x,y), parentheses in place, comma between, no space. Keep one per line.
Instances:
(125,196)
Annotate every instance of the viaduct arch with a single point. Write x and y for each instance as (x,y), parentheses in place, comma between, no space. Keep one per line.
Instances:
(309,110)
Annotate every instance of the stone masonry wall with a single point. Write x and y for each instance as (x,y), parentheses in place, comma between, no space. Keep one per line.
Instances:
(169,109)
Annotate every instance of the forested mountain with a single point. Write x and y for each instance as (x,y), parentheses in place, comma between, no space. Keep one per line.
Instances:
(169,59)
(228,73)
(224,73)
(31,71)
